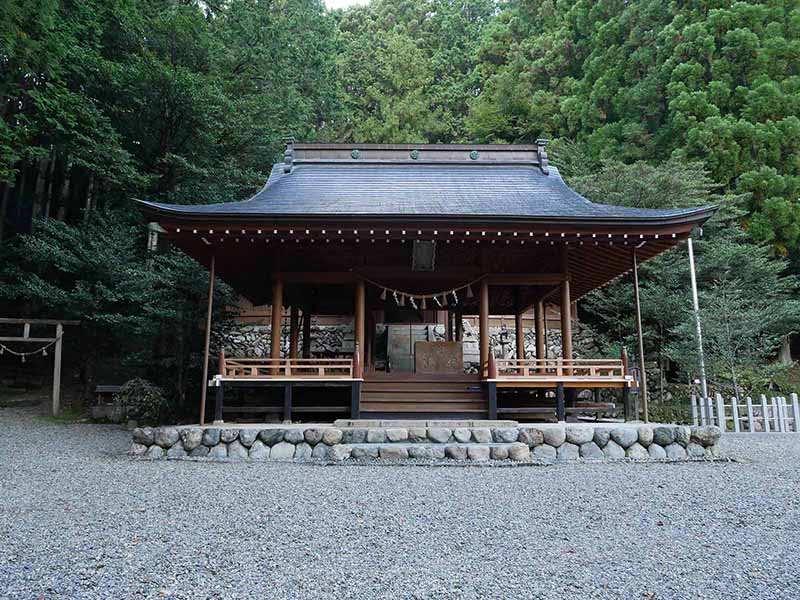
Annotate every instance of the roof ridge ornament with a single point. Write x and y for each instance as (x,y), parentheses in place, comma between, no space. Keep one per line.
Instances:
(540,151)
(288,154)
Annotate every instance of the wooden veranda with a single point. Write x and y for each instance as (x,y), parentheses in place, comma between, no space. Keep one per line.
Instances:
(396,235)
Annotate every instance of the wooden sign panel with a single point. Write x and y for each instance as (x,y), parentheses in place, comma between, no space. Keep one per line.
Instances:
(438,357)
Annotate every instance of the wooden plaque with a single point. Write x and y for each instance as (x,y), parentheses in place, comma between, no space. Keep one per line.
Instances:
(438,357)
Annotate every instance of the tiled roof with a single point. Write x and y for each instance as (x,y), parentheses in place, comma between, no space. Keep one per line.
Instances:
(403,189)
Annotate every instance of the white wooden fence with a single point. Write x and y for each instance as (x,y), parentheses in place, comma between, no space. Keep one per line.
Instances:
(774,415)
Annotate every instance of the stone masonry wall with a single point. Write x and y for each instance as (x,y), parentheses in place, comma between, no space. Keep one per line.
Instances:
(476,441)
(242,341)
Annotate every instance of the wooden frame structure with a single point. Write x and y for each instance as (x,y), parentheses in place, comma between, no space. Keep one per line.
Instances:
(55,341)
(333,232)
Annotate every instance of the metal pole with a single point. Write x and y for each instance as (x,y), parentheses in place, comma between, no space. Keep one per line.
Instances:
(643,375)
(698,330)
(204,388)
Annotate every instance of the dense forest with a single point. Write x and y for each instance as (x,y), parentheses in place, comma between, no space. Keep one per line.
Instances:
(648,103)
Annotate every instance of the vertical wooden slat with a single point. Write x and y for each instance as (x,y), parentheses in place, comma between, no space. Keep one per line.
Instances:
(776,415)
(765,413)
(735,413)
(795,411)
(703,403)
(721,412)
(695,420)
(750,425)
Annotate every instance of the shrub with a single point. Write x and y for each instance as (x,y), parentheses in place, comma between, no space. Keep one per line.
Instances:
(140,400)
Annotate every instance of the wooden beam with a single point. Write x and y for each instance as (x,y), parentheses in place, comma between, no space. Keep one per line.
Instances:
(520,335)
(204,387)
(10,321)
(525,278)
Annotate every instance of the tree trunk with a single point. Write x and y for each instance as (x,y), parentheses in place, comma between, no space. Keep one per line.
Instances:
(4,208)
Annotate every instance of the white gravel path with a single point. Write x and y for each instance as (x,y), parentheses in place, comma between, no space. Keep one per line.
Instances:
(80,520)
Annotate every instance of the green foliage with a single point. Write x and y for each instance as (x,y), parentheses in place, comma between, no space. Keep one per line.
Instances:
(140,400)
(137,310)
(747,298)
(407,69)
(715,82)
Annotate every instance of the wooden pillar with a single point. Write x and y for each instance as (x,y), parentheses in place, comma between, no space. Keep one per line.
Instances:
(204,387)
(294,331)
(519,331)
(368,340)
(57,371)
(277,314)
(360,318)
(541,331)
(459,326)
(306,333)
(643,382)
(566,310)
(484,325)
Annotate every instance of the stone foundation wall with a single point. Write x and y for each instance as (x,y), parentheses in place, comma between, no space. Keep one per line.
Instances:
(463,441)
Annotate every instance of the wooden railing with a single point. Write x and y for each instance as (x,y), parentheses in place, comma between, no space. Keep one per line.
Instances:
(266,368)
(557,367)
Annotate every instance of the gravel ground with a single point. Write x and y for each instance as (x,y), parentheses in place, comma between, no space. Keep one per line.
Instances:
(80,520)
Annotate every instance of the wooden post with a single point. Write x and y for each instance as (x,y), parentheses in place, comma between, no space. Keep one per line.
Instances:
(765,413)
(277,314)
(721,412)
(492,389)
(643,382)
(782,414)
(735,412)
(355,399)
(795,412)
(541,331)
(218,404)
(566,323)
(220,392)
(520,333)
(287,403)
(695,420)
(483,326)
(57,371)
(294,331)
(360,320)
(204,387)
(703,420)
(459,326)
(750,425)
(561,409)
(776,415)
(306,333)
